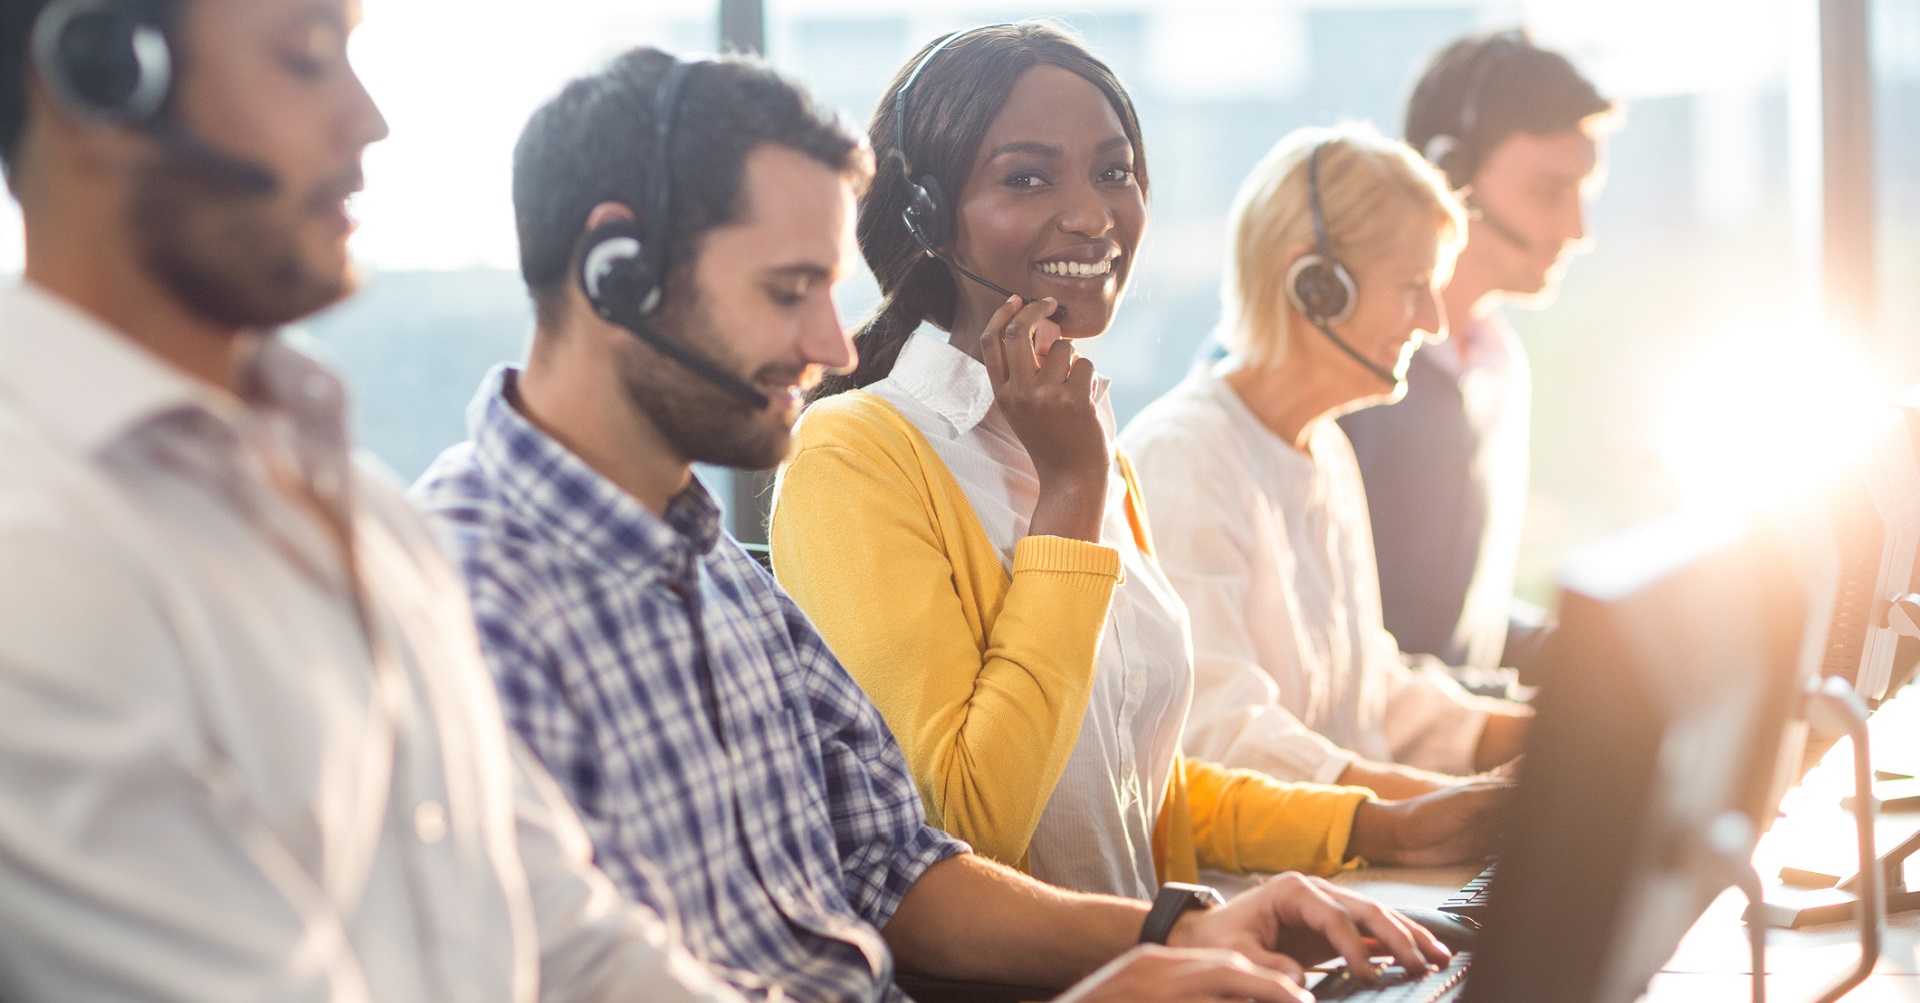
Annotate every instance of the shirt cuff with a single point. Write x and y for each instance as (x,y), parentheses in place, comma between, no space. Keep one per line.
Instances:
(1330,768)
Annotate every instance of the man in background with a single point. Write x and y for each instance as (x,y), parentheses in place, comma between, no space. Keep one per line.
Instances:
(1518,132)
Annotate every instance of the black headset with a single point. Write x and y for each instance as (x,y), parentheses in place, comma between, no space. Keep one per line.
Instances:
(927,215)
(1458,153)
(624,264)
(1322,288)
(111,61)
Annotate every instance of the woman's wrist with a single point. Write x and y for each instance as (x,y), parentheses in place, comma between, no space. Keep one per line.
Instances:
(1373,834)
(1070,507)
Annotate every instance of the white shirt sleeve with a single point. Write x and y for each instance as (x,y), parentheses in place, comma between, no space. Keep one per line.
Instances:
(595,945)
(1206,545)
(1431,721)
(125,872)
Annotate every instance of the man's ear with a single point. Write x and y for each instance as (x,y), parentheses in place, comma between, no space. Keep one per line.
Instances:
(56,142)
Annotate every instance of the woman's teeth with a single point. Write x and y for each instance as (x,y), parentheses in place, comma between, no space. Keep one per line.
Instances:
(1075,268)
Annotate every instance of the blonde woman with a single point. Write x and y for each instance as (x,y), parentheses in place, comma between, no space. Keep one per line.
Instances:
(956,522)
(1340,242)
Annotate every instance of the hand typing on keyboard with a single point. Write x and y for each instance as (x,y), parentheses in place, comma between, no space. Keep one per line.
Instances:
(1154,974)
(1398,985)
(1292,918)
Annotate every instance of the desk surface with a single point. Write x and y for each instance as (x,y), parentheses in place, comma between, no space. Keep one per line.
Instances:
(1712,962)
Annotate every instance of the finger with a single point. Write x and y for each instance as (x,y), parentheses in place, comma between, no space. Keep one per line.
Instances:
(1045,334)
(1017,342)
(1410,943)
(1283,964)
(1320,912)
(1059,362)
(1248,982)
(1080,378)
(993,352)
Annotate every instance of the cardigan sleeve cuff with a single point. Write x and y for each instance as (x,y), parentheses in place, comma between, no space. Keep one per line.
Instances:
(1057,555)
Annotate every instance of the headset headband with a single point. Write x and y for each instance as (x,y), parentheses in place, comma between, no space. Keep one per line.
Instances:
(659,195)
(1313,201)
(899,151)
(1496,51)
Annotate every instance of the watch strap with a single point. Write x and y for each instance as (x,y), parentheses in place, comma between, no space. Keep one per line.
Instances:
(1173,901)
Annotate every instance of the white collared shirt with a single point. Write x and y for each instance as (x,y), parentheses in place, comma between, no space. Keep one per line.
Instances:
(233,767)
(1096,832)
(1271,549)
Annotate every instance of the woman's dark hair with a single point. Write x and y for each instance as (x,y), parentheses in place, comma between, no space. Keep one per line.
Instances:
(950,109)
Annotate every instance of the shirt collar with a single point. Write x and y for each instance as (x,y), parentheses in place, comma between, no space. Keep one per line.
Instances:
(91,386)
(951,382)
(565,499)
(1489,343)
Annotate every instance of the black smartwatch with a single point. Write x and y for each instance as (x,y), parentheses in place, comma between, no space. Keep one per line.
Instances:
(1173,902)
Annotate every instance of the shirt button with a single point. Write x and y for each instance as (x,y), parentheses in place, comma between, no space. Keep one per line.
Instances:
(430,822)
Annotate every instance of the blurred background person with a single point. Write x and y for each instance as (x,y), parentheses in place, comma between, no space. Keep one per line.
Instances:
(1338,246)
(1518,132)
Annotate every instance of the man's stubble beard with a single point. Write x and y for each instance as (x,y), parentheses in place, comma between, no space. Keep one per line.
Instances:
(228,256)
(703,423)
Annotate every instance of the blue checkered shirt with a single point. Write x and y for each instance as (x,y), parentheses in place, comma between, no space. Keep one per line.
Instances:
(784,837)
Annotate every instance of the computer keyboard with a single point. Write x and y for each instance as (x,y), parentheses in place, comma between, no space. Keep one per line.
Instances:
(1398,985)
(1471,900)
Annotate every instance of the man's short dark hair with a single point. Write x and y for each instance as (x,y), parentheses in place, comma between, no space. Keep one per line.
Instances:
(16,30)
(594,143)
(1505,84)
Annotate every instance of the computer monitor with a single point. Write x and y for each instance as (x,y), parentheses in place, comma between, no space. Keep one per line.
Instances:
(1679,660)
(1875,512)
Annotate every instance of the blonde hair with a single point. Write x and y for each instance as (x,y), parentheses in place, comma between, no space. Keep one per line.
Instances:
(1372,190)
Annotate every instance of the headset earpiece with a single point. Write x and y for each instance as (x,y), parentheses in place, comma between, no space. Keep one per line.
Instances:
(1318,285)
(926,211)
(615,273)
(104,59)
(1321,288)
(1455,153)
(1441,151)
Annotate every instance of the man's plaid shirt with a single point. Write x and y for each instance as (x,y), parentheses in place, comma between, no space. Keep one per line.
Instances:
(781,847)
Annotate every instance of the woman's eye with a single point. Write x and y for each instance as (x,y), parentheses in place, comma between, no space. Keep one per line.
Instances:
(788,295)
(1026,179)
(1118,172)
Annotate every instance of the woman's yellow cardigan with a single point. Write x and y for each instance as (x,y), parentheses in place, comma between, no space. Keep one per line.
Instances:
(984,677)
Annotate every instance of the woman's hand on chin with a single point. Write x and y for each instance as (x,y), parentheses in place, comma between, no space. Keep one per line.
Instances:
(1046,393)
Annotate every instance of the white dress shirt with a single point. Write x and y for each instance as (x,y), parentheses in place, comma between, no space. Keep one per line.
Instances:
(235,767)
(1096,832)
(1271,550)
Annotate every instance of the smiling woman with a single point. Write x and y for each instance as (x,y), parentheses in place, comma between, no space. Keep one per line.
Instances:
(962,532)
